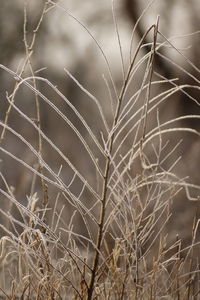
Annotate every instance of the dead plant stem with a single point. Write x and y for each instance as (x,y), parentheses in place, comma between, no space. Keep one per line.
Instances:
(107,170)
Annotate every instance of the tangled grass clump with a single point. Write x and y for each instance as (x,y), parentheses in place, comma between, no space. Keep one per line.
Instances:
(97,226)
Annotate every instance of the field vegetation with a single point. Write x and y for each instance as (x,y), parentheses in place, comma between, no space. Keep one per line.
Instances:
(99,205)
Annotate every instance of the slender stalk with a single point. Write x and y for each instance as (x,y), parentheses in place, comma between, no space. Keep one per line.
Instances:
(107,169)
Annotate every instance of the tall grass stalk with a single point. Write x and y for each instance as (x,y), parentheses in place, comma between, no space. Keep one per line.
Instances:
(101,232)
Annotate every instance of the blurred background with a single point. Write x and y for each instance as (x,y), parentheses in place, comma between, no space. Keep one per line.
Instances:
(54,40)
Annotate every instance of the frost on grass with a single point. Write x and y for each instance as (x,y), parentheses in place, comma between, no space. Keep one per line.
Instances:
(93,215)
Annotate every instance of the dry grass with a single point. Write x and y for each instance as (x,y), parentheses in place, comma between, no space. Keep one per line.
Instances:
(100,233)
